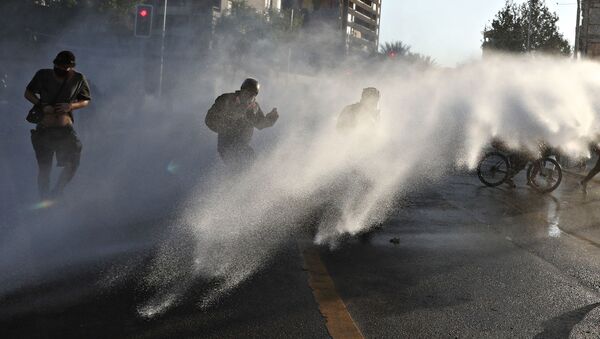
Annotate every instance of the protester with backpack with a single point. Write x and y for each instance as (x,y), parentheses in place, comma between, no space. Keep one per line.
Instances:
(55,94)
(234,116)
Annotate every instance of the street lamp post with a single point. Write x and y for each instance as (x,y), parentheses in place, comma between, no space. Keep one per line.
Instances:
(162,50)
(289,56)
(529,27)
(577,30)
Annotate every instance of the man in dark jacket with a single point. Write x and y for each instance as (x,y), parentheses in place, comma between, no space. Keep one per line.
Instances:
(57,92)
(234,116)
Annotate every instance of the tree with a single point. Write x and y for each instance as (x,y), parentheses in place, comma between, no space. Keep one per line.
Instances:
(398,50)
(116,5)
(529,27)
(395,49)
(116,12)
(246,23)
(243,32)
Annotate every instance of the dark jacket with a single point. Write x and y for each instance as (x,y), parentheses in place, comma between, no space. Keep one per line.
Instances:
(356,115)
(235,121)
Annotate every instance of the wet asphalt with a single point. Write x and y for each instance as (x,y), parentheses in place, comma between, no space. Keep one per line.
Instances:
(474,262)
(455,260)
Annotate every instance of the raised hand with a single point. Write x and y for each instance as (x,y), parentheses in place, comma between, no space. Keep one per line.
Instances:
(273,115)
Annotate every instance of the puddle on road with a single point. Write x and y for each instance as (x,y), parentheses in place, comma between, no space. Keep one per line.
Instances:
(553,223)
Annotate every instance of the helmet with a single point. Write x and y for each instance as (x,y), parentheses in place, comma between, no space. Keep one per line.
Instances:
(65,58)
(251,85)
(370,92)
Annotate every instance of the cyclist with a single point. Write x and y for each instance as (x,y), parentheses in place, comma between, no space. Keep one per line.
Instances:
(518,160)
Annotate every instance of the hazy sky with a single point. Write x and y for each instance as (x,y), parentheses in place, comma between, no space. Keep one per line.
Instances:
(450,30)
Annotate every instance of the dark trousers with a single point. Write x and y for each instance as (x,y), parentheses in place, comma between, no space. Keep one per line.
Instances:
(62,142)
(592,173)
(237,157)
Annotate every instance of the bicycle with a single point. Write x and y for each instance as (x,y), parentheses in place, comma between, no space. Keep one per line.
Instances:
(570,163)
(544,174)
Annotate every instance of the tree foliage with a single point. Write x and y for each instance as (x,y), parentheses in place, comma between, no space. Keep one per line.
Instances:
(103,5)
(244,31)
(524,28)
(117,12)
(400,51)
(245,22)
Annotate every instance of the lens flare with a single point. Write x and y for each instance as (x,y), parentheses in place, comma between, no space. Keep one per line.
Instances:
(173,167)
(44,204)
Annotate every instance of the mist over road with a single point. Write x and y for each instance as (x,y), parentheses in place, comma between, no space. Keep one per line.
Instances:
(498,263)
(156,238)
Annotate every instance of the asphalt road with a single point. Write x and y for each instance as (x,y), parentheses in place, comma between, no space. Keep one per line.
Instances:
(456,260)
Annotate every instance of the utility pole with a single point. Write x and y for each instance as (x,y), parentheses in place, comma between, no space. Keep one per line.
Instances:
(162,49)
(529,26)
(577,30)
(289,57)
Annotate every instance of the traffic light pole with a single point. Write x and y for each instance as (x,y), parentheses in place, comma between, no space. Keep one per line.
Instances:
(162,50)
(577,31)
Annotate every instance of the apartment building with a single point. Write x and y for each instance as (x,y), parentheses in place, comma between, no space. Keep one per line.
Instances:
(260,5)
(357,20)
(588,30)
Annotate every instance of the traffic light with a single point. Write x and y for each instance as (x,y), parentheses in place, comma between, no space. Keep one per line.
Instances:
(143,20)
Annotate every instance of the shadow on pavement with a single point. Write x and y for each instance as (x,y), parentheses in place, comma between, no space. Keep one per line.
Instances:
(561,326)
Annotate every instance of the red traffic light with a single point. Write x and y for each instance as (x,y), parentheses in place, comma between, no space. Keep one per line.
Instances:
(143,20)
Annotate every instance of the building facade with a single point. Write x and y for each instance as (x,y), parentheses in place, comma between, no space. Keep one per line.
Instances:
(357,20)
(260,5)
(360,21)
(588,30)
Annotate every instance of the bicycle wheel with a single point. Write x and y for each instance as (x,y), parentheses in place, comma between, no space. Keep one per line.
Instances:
(493,169)
(544,175)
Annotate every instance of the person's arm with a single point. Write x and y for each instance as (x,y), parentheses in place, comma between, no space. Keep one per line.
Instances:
(215,116)
(34,88)
(32,98)
(32,91)
(262,121)
(66,108)
(345,121)
(377,115)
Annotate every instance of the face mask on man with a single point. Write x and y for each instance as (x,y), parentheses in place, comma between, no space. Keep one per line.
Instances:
(61,73)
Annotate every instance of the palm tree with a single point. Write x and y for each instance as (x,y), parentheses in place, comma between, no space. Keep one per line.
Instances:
(396,49)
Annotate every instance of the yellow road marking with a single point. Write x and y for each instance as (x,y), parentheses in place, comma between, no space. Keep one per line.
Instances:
(338,320)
